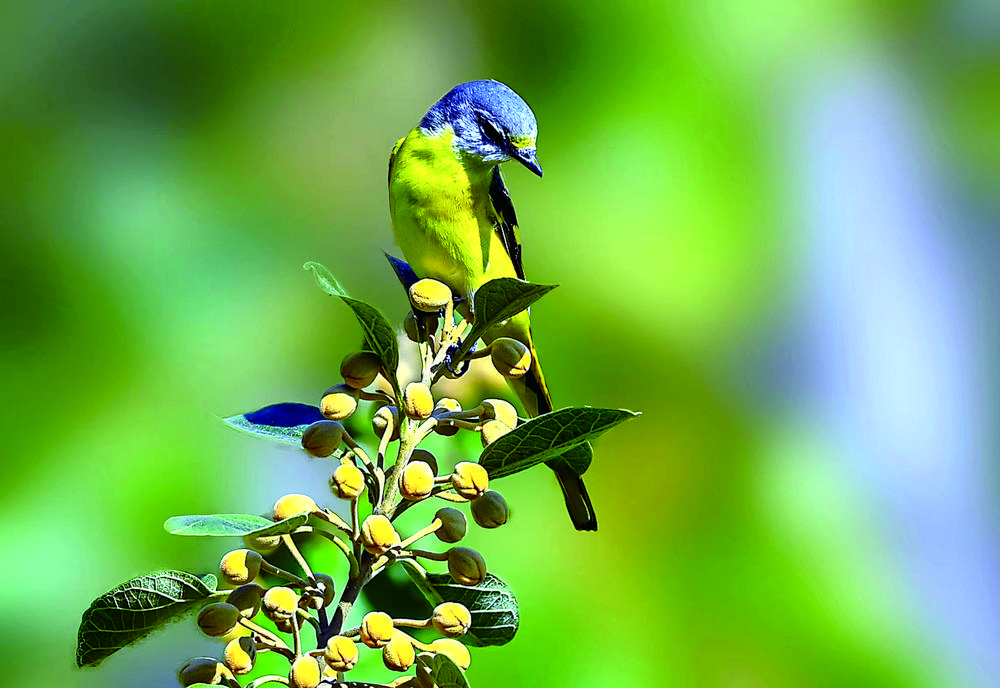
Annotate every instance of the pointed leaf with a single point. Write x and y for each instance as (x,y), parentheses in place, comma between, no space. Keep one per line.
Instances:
(498,300)
(380,338)
(577,459)
(492,604)
(134,609)
(547,437)
(285,422)
(232,524)
(443,669)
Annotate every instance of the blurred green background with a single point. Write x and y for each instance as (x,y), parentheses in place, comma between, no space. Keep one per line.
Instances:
(773,224)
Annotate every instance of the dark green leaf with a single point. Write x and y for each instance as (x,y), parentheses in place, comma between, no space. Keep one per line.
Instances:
(232,524)
(577,459)
(498,300)
(547,437)
(492,604)
(446,673)
(380,338)
(133,610)
(285,422)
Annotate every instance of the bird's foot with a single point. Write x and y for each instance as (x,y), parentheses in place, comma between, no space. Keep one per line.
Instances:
(449,359)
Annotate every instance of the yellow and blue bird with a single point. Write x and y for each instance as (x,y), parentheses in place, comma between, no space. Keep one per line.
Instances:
(453,219)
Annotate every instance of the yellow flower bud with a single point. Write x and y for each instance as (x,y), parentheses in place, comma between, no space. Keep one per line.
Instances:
(492,431)
(247,598)
(341,654)
(490,510)
(240,654)
(398,653)
(218,619)
(470,480)
(385,416)
(292,505)
(305,673)
(503,411)
(323,437)
(417,401)
(510,357)
(376,629)
(240,566)
(411,325)
(417,480)
(264,544)
(378,535)
(360,369)
(458,652)
(451,619)
(429,295)
(338,405)
(347,482)
(453,525)
(426,457)
(203,670)
(280,602)
(466,566)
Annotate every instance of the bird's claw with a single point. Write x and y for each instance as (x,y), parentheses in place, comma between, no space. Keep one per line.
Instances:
(449,359)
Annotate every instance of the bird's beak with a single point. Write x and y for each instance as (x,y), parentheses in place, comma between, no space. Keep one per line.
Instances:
(528,158)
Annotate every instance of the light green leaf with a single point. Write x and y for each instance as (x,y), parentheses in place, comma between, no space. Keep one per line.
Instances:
(134,609)
(577,459)
(547,437)
(380,337)
(232,524)
(446,673)
(285,422)
(492,604)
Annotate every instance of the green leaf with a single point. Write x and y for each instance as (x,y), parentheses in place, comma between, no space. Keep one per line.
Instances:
(443,669)
(380,338)
(285,422)
(134,609)
(492,604)
(498,300)
(577,459)
(547,437)
(232,524)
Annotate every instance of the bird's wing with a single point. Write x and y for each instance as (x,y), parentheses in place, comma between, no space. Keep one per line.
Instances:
(392,155)
(506,222)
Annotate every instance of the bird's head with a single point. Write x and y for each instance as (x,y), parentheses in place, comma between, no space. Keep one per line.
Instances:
(490,122)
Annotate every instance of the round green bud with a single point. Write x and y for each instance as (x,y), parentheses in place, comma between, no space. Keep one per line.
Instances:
(341,654)
(503,411)
(360,368)
(347,482)
(426,457)
(218,619)
(377,534)
(293,505)
(376,629)
(451,619)
(492,431)
(398,653)
(429,295)
(240,655)
(490,510)
(510,357)
(446,405)
(417,401)
(453,525)
(470,480)
(305,673)
(338,405)
(203,670)
(247,598)
(417,480)
(466,566)
(240,566)
(383,418)
(411,325)
(327,592)
(280,602)
(323,437)
(264,544)
(455,650)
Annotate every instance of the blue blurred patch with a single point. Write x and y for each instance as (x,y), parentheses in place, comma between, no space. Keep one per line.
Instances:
(285,415)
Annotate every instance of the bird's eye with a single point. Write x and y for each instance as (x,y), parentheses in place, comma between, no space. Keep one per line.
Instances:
(490,132)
